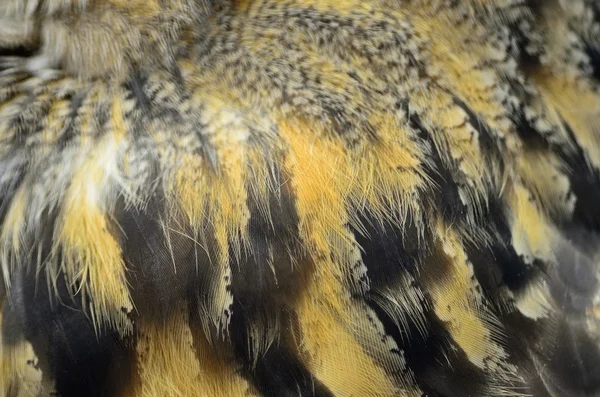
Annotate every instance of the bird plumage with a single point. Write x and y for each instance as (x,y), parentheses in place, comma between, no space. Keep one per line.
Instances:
(300,198)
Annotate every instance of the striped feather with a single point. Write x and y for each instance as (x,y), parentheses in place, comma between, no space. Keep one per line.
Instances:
(299,197)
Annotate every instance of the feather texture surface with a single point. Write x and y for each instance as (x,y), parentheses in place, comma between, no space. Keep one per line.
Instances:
(347,198)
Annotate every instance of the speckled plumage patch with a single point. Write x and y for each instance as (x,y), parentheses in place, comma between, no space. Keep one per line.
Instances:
(300,198)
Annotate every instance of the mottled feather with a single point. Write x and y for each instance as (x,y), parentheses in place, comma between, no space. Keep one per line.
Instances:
(300,198)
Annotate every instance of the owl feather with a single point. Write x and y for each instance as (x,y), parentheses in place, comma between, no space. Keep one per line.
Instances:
(366,198)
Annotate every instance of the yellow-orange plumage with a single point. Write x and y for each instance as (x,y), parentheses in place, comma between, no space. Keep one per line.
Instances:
(299,197)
